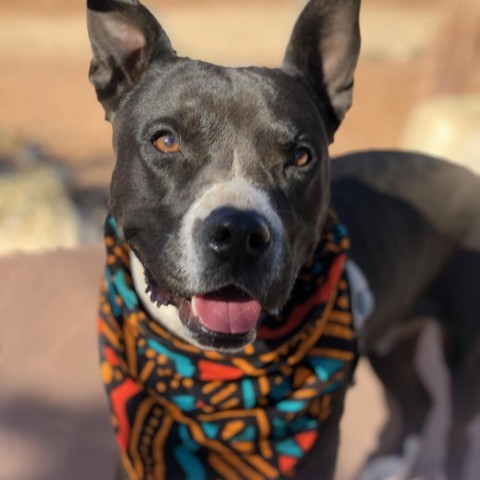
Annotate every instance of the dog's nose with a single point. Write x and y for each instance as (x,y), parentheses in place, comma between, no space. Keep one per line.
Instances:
(237,235)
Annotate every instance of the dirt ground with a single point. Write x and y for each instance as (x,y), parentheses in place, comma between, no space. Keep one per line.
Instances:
(45,95)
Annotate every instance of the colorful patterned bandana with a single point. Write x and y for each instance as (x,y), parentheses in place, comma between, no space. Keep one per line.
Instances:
(182,412)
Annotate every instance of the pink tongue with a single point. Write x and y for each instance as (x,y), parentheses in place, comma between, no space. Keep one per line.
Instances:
(227,315)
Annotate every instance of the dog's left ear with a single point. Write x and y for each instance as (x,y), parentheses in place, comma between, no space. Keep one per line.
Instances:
(324,50)
(125,39)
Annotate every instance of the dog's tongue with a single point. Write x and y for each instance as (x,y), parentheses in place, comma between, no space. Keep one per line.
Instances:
(227,312)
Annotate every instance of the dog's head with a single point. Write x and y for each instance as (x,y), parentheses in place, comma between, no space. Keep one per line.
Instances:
(221,180)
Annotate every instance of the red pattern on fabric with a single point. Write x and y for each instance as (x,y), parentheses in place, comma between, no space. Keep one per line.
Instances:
(119,398)
(211,371)
(306,440)
(111,356)
(322,295)
(286,463)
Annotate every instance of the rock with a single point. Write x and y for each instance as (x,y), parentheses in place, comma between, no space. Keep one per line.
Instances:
(36,212)
(447,127)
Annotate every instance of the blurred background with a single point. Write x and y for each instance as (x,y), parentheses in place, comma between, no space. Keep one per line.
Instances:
(417,86)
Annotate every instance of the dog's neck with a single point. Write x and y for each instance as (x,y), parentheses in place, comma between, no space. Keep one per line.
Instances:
(272,397)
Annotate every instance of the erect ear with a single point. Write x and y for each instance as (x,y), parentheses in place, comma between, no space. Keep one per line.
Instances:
(324,50)
(125,38)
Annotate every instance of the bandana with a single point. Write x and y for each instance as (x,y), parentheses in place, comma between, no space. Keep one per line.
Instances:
(182,412)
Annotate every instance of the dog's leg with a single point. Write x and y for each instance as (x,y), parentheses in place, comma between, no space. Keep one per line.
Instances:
(463,461)
(431,367)
(459,289)
(413,443)
(415,374)
(408,404)
(472,466)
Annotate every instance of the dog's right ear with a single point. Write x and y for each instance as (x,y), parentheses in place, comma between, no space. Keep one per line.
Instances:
(125,38)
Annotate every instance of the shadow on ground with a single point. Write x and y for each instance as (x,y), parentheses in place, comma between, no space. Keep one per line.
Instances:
(64,443)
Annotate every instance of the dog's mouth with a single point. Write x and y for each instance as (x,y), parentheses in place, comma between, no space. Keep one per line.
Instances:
(223,319)
(227,311)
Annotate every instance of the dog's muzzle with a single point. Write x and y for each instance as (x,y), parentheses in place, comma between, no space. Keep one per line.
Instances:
(231,240)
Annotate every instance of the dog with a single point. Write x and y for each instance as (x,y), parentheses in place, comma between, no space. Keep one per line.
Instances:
(222,192)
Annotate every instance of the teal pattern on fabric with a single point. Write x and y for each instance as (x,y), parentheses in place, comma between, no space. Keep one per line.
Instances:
(188,461)
(210,429)
(128,295)
(190,464)
(248,390)
(325,367)
(247,435)
(279,426)
(182,363)
(301,424)
(111,293)
(113,224)
(184,402)
(186,438)
(291,406)
(282,389)
(289,447)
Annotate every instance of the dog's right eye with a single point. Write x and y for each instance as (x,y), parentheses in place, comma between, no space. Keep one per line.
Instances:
(166,142)
(301,157)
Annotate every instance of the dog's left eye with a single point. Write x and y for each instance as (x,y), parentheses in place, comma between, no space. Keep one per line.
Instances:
(167,143)
(301,157)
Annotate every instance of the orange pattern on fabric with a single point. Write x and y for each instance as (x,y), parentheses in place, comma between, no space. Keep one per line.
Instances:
(252,416)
